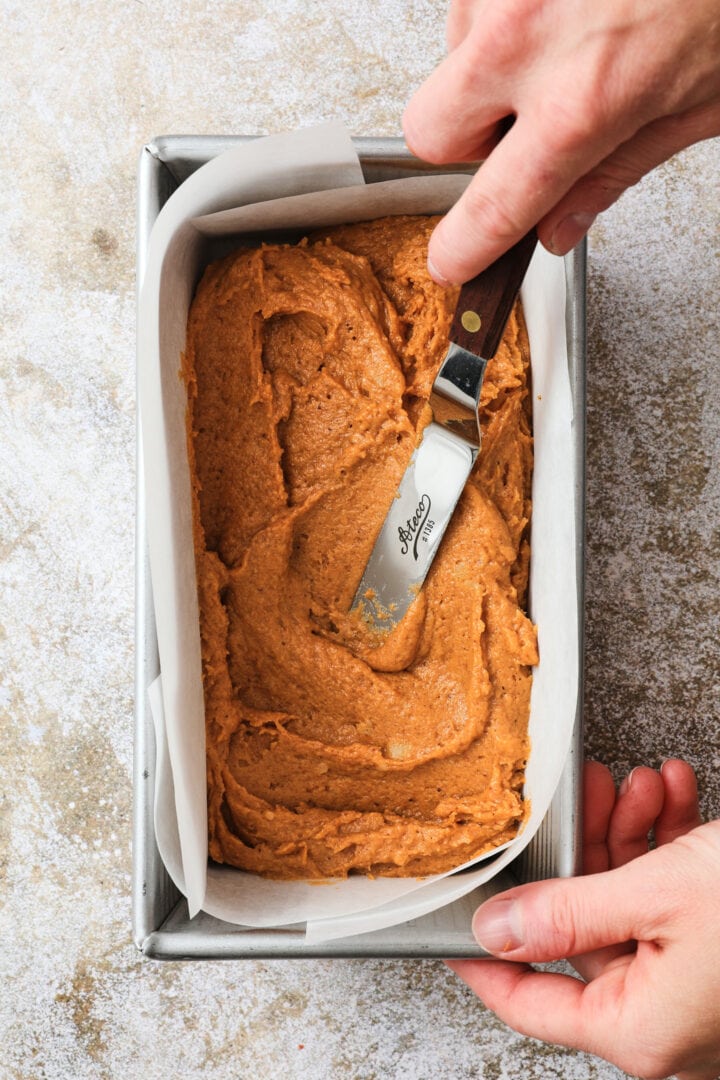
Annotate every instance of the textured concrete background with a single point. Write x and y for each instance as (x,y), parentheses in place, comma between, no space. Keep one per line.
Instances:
(83,85)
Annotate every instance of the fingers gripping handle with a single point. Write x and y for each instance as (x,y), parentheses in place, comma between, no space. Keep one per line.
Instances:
(485,302)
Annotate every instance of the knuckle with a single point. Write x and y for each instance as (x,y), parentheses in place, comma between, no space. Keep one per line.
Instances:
(561,922)
(550,919)
(503,32)
(418,136)
(574,117)
(568,130)
(494,222)
(430,140)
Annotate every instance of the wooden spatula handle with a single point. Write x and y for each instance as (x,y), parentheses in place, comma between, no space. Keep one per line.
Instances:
(485,302)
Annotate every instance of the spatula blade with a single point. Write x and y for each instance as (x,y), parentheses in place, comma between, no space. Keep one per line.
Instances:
(413,528)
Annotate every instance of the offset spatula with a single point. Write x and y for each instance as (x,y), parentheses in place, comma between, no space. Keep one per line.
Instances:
(437,472)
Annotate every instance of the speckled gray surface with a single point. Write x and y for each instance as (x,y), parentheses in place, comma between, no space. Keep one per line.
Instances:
(83,86)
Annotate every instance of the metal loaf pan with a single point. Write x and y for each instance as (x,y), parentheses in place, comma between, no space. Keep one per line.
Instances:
(161,926)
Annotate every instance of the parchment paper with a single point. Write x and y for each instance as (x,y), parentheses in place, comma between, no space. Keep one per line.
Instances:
(313,179)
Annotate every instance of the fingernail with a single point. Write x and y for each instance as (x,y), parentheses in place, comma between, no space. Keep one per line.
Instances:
(626,784)
(436,275)
(570,232)
(497,926)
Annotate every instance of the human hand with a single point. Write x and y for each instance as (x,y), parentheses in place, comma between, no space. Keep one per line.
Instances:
(601,93)
(641,927)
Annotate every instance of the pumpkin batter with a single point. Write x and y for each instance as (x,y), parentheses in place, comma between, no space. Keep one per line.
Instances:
(330,752)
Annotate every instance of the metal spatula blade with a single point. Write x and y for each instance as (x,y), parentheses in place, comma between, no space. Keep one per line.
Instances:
(438,470)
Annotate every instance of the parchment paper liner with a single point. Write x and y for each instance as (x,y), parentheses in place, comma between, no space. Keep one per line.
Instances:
(307,180)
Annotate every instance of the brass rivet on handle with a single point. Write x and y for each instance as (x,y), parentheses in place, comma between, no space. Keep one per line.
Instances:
(471,321)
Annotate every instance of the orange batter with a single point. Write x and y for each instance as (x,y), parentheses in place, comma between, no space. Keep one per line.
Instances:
(308,370)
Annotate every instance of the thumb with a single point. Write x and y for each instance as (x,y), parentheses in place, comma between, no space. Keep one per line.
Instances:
(553,920)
